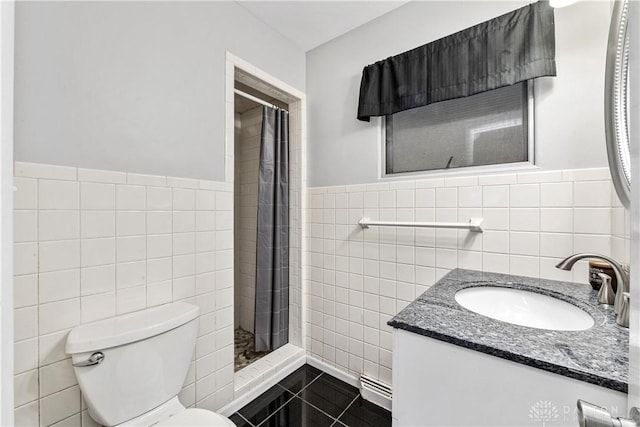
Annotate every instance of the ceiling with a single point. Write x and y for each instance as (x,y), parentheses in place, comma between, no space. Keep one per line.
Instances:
(312,23)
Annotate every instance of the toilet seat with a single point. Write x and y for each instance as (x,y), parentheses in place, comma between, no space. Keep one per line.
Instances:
(197,417)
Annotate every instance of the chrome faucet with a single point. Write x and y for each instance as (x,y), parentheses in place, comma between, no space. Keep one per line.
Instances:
(590,415)
(622,274)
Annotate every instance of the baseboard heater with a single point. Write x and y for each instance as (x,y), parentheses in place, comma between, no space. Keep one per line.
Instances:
(375,391)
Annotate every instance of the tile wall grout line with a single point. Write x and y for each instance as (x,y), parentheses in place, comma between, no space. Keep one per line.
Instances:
(69,417)
(38,298)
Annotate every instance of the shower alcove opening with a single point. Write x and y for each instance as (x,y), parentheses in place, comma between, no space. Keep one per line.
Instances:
(247,136)
(244,127)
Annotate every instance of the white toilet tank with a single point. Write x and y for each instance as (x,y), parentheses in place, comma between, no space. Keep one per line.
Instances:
(146,359)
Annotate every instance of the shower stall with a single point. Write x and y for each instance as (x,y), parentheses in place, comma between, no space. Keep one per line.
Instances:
(261,214)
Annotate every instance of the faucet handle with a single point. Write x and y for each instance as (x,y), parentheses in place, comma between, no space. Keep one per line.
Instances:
(622,319)
(606,296)
(590,415)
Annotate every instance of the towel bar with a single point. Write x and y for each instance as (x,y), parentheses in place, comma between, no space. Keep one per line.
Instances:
(473,225)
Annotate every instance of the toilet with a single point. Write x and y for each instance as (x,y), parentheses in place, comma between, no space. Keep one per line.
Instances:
(131,368)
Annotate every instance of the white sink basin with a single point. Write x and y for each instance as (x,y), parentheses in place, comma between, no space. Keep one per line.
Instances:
(524,308)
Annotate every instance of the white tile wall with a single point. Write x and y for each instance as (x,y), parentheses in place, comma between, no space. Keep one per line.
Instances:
(247,158)
(620,230)
(358,279)
(111,253)
(93,244)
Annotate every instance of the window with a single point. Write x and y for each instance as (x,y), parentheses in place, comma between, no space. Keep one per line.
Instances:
(489,128)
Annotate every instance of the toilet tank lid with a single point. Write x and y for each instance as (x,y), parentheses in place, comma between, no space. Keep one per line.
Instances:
(129,328)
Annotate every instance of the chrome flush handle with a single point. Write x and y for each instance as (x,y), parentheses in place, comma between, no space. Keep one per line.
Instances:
(95,359)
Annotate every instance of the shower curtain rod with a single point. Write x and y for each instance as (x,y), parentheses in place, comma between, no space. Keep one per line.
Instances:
(256,99)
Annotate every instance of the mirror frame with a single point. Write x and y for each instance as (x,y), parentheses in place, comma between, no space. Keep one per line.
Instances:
(616,108)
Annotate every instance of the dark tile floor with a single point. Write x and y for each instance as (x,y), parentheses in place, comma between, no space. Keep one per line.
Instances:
(309,397)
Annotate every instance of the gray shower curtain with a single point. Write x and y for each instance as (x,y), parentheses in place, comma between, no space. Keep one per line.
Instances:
(272,257)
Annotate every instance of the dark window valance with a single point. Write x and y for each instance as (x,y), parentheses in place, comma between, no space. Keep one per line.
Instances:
(511,48)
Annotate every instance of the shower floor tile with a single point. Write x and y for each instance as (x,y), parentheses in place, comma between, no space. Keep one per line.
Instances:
(310,397)
(243,349)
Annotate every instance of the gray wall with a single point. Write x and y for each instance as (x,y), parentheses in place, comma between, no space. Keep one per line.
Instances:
(569,108)
(7,10)
(135,86)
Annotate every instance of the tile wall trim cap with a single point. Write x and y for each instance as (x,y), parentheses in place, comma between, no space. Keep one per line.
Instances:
(592,174)
(70,173)
(142,179)
(183,182)
(102,176)
(45,171)
(539,176)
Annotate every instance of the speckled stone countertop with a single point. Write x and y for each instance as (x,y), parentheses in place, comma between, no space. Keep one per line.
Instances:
(599,355)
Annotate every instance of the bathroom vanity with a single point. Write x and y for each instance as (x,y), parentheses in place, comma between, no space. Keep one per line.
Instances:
(453,366)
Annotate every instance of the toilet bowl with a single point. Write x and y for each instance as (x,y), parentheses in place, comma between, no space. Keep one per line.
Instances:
(196,417)
(130,368)
(173,413)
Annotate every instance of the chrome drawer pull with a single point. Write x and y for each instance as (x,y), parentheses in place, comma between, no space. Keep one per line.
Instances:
(95,359)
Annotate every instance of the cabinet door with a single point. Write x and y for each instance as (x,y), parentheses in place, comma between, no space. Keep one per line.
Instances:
(440,384)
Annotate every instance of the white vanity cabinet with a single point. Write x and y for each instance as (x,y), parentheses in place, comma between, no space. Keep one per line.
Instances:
(436,383)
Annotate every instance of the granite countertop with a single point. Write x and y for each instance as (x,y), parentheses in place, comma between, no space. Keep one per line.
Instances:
(599,355)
